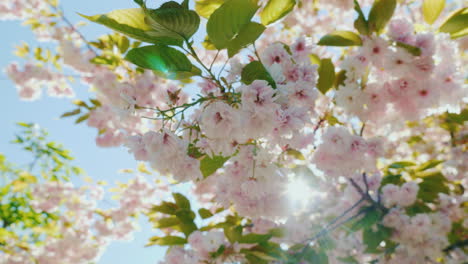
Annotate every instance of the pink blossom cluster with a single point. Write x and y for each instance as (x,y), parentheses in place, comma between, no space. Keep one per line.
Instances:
(352,152)
(402,196)
(252,184)
(32,78)
(118,118)
(21,9)
(85,230)
(280,114)
(256,126)
(400,84)
(167,154)
(420,236)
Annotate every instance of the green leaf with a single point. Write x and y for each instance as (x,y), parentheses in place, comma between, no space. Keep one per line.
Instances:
(162,59)
(233,233)
(131,22)
(316,257)
(169,20)
(166,222)
(261,255)
(314,59)
(431,10)
(185,4)
(372,238)
(204,213)
(295,153)
(256,71)
(247,35)
(418,208)
(458,118)
(218,252)
(123,44)
(339,79)
(275,10)
(167,241)
(277,232)
(254,238)
(401,164)
(165,208)
(228,20)
(207,44)
(186,217)
(206,7)
(416,51)
(181,200)
(81,104)
(326,73)
(81,118)
(209,165)
(392,179)
(332,120)
(430,164)
(71,113)
(360,24)
(431,185)
(341,38)
(380,13)
(371,218)
(350,260)
(188,228)
(456,24)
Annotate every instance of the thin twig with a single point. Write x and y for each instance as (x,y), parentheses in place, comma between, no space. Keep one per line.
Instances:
(362,129)
(193,53)
(65,19)
(366,194)
(212,63)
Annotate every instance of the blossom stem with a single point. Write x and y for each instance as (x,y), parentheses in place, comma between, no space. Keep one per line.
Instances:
(193,53)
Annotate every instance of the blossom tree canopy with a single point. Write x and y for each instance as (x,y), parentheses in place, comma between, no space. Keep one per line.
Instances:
(307,131)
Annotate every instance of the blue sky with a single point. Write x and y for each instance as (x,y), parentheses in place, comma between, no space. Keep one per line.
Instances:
(99,163)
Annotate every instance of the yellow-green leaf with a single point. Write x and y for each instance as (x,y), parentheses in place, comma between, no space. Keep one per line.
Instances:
(326,73)
(457,23)
(227,21)
(130,22)
(431,10)
(167,241)
(256,71)
(247,35)
(209,165)
(275,10)
(341,38)
(206,7)
(381,12)
(204,213)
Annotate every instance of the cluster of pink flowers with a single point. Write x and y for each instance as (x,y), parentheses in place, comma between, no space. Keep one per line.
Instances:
(401,84)
(85,230)
(22,9)
(117,118)
(401,196)
(32,78)
(262,131)
(352,152)
(166,153)
(252,184)
(421,236)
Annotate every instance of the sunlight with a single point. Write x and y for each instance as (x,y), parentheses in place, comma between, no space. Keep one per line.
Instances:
(299,191)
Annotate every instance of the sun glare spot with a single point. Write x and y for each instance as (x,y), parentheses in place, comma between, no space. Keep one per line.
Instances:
(300,192)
